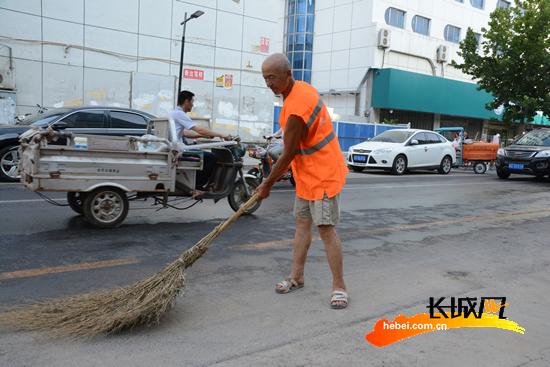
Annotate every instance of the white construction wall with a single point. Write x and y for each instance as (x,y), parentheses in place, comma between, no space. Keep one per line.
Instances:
(126,53)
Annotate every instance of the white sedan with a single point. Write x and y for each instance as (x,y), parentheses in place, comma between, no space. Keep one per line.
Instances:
(401,149)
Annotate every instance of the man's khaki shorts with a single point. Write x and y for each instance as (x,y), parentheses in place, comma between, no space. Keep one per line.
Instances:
(322,212)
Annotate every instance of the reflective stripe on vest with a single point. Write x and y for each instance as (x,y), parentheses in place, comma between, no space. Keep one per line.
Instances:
(315,113)
(317,146)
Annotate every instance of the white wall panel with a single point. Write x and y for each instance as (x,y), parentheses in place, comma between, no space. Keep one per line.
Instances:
(321,61)
(228,58)
(362,13)
(342,18)
(322,43)
(360,57)
(339,79)
(27,6)
(194,53)
(154,18)
(105,39)
(106,88)
(153,47)
(341,41)
(71,10)
(272,10)
(119,14)
(323,4)
(65,33)
(62,85)
(153,93)
(229,31)
(231,6)
(321,80)
(22,26)
(28,81)
(323,21)
(340,60)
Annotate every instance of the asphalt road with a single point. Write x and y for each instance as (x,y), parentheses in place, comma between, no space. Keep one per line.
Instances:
(405,239)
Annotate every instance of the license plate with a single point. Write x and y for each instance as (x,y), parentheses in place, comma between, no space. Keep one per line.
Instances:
(515,165)
(359,158)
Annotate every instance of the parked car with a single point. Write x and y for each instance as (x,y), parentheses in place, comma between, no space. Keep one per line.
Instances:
(399,150)
(528,155)
(82,120)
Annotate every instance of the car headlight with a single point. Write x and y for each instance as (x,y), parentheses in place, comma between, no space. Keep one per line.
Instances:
(501,152)
(382,151)
(543,154)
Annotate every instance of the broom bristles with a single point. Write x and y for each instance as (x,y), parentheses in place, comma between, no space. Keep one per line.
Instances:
(111,311)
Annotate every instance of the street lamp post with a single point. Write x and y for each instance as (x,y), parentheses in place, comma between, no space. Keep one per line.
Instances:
(196,14)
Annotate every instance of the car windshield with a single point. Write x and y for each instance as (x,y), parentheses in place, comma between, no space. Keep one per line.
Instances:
(393,136)
(537,138)
(42,119)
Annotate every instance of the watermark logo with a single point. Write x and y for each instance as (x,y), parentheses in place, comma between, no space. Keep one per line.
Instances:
(445,313)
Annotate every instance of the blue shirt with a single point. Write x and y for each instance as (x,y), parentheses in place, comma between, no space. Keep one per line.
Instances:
(182,121)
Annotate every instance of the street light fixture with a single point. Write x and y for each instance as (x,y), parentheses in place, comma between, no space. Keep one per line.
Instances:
(196,14)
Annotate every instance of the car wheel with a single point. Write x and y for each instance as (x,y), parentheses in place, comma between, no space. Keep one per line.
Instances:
(480,168)
(106,207)
(76,201)
(539,177)
(399,165)
(9,162)
(445,165)
(502,174)
(357,169)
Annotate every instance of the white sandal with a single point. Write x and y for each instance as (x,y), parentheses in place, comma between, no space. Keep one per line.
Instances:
(288,285)
(339,296)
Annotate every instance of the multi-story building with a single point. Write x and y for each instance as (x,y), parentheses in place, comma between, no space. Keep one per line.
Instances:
(389,60)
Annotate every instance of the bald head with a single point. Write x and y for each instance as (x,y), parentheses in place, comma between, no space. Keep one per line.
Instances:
(277,74)
(278,62)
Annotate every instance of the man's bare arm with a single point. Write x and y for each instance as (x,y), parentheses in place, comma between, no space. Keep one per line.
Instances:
(208,133)
(295,130)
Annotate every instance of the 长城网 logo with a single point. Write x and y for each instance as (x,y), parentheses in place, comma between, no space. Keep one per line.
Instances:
(445,313)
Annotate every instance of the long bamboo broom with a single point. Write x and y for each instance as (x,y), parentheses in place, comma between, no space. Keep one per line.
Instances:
(111,311)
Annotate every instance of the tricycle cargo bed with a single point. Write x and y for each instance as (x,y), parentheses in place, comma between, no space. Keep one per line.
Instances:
(66,168)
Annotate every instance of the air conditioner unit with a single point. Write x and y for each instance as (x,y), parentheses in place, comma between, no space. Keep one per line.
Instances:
(384,36)
(7,80)
(442,53)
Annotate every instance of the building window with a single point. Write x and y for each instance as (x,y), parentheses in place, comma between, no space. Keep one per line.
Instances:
(477,3)
(395,17)
(421,25)
(478,39)
(452,33)
(300,20)
(503,4)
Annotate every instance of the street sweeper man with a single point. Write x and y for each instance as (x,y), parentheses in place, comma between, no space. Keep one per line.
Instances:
(311,146)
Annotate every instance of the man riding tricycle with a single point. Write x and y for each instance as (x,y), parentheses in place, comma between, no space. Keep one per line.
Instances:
(101,174)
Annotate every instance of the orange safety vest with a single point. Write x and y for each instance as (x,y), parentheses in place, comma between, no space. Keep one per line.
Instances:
(318,167)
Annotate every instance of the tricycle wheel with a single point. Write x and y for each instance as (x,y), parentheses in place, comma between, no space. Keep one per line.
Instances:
(75,201)
(237,197)
(106,207)
(480,168)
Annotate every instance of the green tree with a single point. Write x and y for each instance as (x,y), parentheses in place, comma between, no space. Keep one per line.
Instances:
(513,61)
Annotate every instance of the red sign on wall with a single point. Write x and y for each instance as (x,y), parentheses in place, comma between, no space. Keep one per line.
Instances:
(264,44)
(193,74)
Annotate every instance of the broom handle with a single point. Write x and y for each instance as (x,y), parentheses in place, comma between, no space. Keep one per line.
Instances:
(195,252)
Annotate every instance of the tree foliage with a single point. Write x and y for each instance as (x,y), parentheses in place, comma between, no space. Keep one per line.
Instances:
(513,60)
